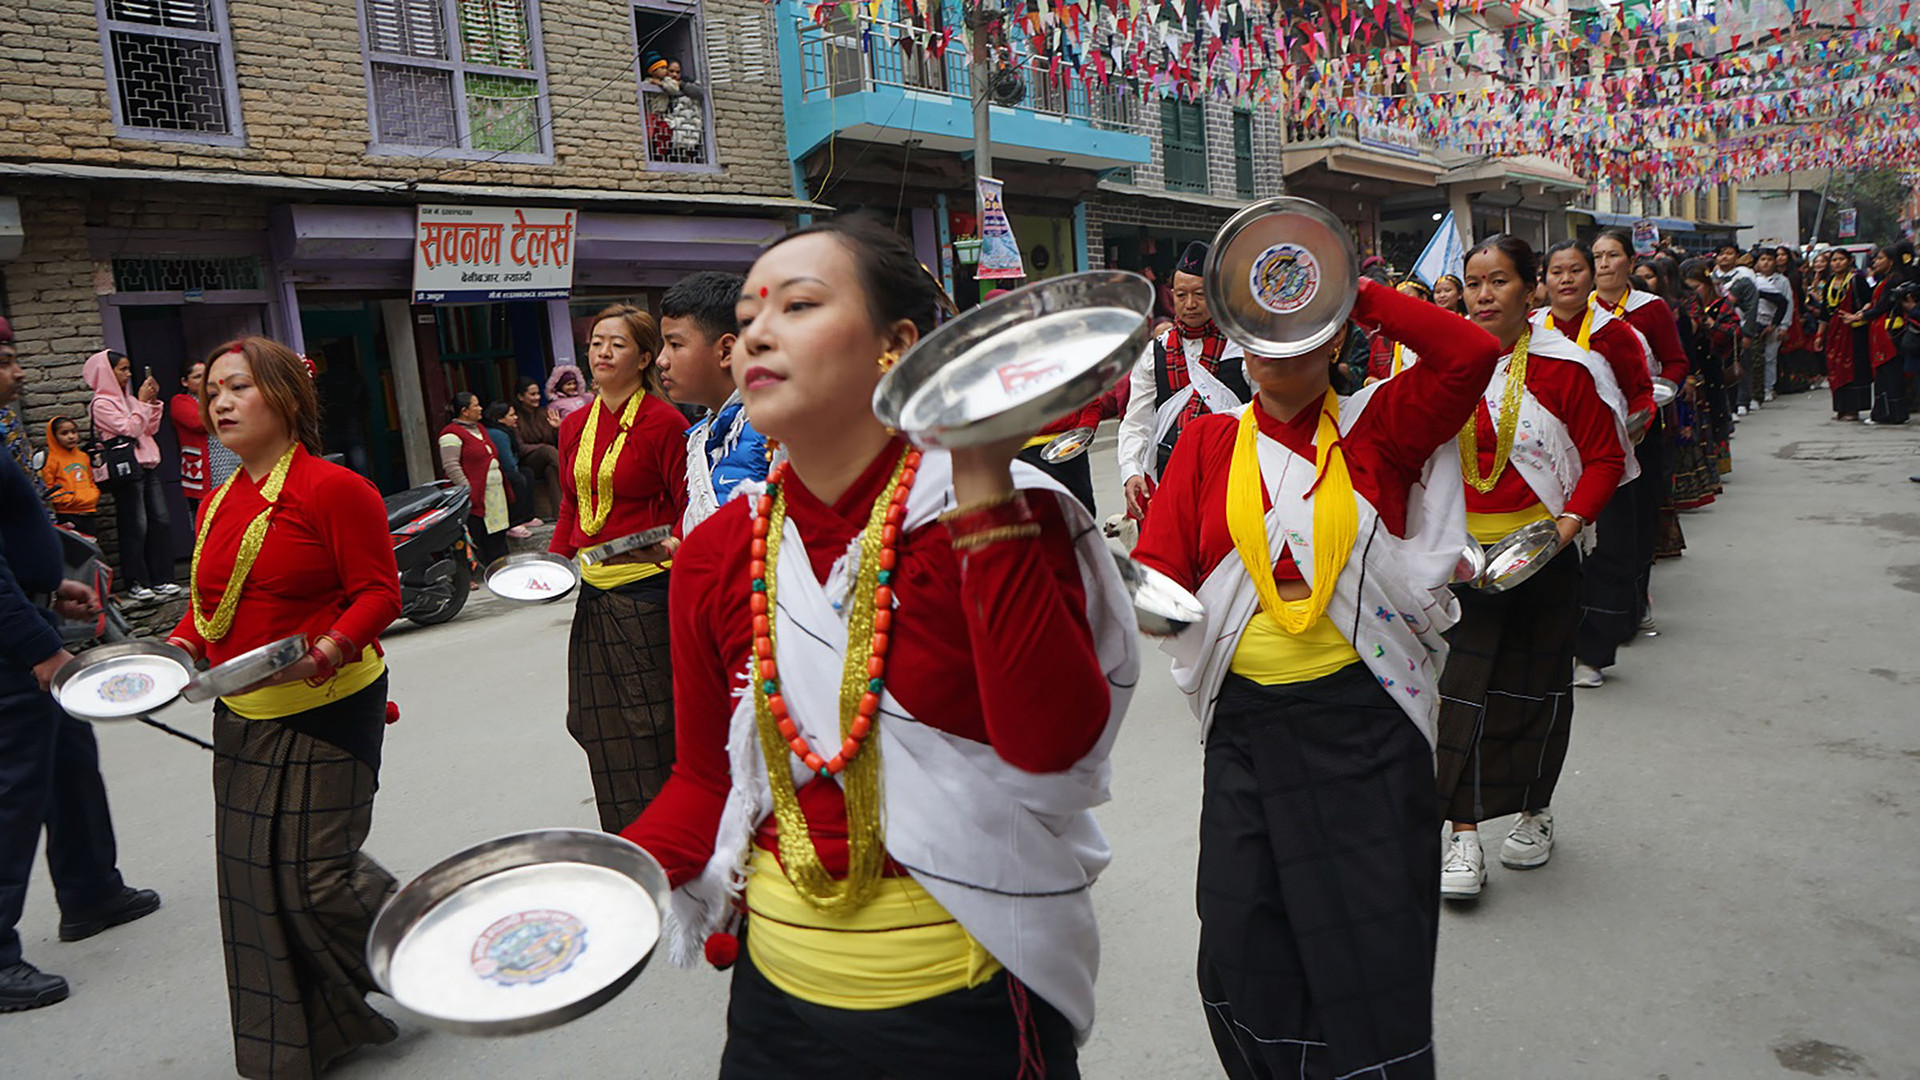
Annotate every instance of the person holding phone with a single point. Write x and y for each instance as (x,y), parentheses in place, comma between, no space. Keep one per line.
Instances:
(126,414)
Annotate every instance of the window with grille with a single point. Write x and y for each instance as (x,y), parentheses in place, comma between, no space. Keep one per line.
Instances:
(169,66)
(1243,154)
(1183,145)
(456,78)
(677,113)
(185,273)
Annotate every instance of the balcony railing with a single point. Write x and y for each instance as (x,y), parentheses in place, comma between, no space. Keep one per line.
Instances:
(1388,138)
(855,56)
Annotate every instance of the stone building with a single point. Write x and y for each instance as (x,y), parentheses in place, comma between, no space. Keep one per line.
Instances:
(180,172)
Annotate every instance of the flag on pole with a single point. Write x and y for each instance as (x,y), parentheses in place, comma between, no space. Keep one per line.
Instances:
(1442,255)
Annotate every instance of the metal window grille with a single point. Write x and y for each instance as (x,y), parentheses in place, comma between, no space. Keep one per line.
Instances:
(186,274)
(453,76)
(170,68)
(679,129)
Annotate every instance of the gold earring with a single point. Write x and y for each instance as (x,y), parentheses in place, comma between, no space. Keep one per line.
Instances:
(888,359)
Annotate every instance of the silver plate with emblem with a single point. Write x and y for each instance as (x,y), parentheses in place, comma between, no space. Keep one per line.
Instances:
(1161,608)
(1067,445)
(124,680)
(1011,367)
(1519,555)
(600,553)
(520,933)
(1282,277)
(532,577)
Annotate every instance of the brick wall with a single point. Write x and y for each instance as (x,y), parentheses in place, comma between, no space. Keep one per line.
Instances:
(303,95)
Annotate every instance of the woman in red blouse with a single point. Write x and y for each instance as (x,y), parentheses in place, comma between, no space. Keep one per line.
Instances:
(468,458)
(952,621)
(1320,534)
(292,544)
(1547,444)
(623,470)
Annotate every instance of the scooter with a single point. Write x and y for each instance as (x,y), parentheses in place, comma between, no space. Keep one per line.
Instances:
(86,564)
(428,525)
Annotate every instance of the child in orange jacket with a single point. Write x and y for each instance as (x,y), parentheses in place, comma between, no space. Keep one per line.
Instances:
(68,474)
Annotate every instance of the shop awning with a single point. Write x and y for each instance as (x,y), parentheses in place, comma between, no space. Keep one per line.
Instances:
(1627,221)
(425,191)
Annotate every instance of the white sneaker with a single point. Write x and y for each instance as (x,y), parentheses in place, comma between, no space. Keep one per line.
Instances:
(141,594)
(1770,396)
(1741,411)
(168,590)
(1586,676)
(1646,619)
(1530,844)
(1465,868)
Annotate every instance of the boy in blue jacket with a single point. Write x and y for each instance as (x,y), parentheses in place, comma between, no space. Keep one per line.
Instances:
(696,368)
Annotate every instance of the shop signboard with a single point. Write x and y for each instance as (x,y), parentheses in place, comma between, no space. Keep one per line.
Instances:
(468,254)
(1395,138)
(1849,223)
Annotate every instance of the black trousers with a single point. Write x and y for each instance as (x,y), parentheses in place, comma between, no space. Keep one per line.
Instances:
(1076,475)
(49,778)
(1890,404)
(487,546)
(520,484)
(1649,493)
(998,1030)
(1319,882)
(146,533)
(1611,582)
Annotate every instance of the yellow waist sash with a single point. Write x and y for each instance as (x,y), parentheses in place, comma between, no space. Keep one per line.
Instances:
(1493,528)
(899,947)
(614,575)
(297,697)
(1269,655)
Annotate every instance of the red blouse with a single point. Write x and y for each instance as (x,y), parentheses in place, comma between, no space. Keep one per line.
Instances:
(184,411)
(1565,388)
(327,563)
(649,480)
(1625,353)
(1657,324)
(1408,418)
(996,649)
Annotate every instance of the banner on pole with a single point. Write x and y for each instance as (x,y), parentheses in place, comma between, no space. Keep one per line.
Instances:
(999,252)
(1646,237)
(1442,255)
(1849,223)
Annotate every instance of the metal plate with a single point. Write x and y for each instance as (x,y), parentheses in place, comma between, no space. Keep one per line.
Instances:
(1161,608)
(121,681)
(1520,555)
(1664,391)
(520,933)
(1011,367)
(533,577)
(1282,276)
(600,553)
(245,670)
(1067,445)
(1472,565)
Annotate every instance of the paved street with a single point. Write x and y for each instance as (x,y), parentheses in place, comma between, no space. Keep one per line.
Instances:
(1736,891)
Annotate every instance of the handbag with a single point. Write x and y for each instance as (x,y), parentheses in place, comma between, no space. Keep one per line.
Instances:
(116,459)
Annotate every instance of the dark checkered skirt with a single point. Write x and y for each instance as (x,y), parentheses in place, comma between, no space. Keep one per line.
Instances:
(297,896)
(620,696)
(1506,695)
(1319,881)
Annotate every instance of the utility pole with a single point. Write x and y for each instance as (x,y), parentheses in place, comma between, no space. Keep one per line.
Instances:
(981,21)
(1820,214)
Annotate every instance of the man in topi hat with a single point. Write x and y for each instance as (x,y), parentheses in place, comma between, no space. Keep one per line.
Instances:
(1190,371)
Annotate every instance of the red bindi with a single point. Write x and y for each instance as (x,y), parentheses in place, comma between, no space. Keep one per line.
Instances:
(763,292)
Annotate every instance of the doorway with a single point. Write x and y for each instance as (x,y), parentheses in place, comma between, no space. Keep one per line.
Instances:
(359,417)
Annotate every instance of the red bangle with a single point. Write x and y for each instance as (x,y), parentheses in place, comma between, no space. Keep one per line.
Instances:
(1001,514)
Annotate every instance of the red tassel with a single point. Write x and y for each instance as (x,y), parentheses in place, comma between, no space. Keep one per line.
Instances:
(722,949)
(393,713)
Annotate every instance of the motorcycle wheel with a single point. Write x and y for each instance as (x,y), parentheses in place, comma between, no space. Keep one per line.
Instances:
(460,584)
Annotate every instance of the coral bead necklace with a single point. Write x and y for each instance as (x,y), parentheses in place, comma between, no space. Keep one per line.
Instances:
(863,680)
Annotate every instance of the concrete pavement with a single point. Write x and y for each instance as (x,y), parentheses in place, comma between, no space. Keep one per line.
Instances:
(1735,892)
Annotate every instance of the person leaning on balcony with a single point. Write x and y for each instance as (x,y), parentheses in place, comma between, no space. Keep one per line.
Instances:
(1190,371)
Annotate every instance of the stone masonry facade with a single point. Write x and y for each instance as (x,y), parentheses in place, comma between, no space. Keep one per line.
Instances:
(304,100)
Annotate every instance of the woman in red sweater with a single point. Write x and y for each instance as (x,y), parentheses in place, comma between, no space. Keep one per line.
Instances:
(1547,444)
(952,621)
(623,470)
(292,544)
(1320,534)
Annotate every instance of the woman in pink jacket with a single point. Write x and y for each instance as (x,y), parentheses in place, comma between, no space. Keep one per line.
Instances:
(139,501)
